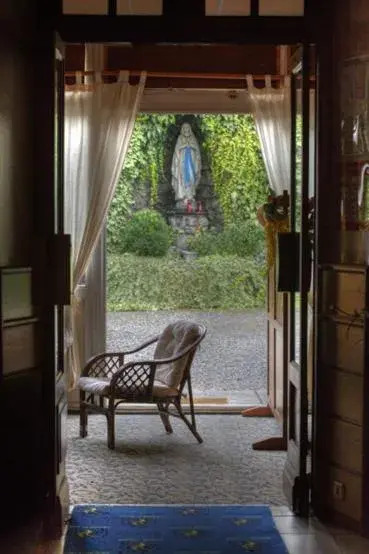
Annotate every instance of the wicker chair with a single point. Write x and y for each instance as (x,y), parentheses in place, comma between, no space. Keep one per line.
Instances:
(108,381)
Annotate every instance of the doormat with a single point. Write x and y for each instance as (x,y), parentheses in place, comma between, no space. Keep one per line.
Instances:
(172,529)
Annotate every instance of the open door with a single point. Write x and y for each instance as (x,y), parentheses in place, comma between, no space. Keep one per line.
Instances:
(296,478)
(277,349)
(62,296)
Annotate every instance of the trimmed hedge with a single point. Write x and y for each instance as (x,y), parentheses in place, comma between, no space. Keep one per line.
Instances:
(244,239)
(146,233)
(208,283)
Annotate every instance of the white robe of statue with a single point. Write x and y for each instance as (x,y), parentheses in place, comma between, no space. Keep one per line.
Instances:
(186,165)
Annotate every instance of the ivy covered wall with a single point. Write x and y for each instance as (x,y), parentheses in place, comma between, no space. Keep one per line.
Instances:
(234,182)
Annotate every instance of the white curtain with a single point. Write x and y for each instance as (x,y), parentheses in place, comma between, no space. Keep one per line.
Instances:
(94,297)
(99,121)
(94,59)
(271,109)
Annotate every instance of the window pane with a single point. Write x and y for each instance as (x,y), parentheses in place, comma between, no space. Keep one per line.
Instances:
(281,7)
(227,7)
(85,7)
(139,7)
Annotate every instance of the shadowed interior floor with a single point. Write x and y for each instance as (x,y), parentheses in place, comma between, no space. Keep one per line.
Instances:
(149,466)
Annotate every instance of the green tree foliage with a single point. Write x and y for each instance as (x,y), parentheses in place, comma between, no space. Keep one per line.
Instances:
(146,234)
(144,163)
(237,166)
(230,270)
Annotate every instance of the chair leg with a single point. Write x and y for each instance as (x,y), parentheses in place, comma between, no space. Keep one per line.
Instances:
(83,415)
(111,425)
(192,408)
(190,424)
(164,416)
(190,395)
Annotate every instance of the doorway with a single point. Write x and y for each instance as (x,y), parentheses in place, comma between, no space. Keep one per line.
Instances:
(278,390)
(261,430)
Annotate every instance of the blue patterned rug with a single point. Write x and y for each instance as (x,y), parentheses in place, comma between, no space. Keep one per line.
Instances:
(172,529)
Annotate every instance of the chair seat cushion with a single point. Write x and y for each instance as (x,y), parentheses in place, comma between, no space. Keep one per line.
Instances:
(175,338)
(161,390)
(95,385)
(101,386)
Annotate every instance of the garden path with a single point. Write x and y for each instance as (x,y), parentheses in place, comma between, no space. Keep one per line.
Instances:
(232,360)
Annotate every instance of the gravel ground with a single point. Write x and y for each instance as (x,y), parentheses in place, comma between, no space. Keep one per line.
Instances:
(233,356)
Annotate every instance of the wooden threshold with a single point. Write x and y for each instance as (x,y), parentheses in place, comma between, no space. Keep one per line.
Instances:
(207,400)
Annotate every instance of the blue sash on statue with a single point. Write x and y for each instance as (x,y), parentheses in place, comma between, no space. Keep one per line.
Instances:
(189,168)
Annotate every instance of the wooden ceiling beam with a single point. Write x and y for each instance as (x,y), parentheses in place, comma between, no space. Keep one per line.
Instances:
(185,30)
(194,59)
(194,83)
(255,59)
(179,7)
(182,81)
(171,83)
(74,57)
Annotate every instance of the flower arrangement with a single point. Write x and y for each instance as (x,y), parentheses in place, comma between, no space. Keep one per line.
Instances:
(274,217)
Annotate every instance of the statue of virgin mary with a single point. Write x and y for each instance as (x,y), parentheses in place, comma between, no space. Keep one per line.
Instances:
(186,165)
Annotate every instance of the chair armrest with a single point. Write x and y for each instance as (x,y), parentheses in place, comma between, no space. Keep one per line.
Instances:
(143,345)
(136,379)
(158,361)
(105,364)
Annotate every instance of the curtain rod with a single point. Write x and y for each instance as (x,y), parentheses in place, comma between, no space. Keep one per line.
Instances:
(178,75)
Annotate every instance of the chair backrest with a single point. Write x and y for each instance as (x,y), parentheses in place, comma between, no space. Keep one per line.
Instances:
(175,338)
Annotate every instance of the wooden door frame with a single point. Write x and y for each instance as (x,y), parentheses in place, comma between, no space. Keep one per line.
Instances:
(50,275)
(327,222)
(42,262)
(295,477)
(223,30)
